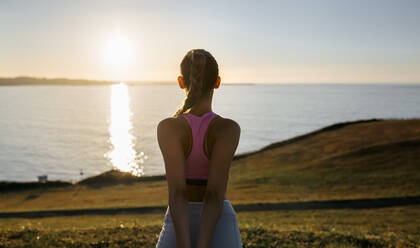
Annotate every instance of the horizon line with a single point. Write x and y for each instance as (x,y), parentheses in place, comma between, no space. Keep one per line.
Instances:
(167,81)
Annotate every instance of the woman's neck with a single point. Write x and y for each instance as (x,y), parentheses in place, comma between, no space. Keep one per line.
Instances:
(203,106)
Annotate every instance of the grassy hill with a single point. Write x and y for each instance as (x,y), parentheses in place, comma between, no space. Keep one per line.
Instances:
(353,160)
(354,184)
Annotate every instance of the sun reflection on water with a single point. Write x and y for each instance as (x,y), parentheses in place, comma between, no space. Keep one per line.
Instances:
(123,156)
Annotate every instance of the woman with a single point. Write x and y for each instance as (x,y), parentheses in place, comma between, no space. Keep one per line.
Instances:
(197,147)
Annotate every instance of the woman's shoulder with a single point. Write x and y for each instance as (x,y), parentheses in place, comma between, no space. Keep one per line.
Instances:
(170,123)
(175,125)
(226,126)
(226,123)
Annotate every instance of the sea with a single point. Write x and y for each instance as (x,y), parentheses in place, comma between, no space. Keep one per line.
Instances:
(69,133)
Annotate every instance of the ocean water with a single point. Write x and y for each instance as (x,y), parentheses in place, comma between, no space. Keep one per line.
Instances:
(61,131)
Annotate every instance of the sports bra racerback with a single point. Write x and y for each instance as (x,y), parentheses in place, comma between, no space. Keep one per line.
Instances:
(197,164)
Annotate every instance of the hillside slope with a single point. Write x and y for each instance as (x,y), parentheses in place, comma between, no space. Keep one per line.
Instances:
(377,158)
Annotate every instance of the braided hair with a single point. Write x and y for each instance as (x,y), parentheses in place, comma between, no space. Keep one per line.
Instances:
(200,71)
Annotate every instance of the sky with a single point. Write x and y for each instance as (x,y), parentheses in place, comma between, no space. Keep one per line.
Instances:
(338,41)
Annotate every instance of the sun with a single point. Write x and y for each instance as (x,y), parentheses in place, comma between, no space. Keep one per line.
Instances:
(118,51)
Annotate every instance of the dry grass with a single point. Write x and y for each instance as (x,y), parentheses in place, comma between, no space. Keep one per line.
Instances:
(386,227)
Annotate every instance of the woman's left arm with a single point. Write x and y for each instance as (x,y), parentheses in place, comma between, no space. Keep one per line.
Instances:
(170,143)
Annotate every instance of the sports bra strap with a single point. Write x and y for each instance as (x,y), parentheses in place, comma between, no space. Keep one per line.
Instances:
(197,163)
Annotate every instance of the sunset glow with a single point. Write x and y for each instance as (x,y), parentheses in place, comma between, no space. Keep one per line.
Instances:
(272,42)
(118,51)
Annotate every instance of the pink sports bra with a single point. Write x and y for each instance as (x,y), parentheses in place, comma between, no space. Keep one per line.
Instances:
(197,164)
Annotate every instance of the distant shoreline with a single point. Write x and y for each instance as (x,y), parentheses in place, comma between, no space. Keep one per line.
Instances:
(32,81)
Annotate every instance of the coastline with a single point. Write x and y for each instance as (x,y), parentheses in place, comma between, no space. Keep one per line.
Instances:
(33,81)
(114,177)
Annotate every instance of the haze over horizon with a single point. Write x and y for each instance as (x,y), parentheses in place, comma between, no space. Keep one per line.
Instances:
(268,42)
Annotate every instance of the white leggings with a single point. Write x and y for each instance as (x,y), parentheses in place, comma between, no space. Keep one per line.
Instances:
(226,232)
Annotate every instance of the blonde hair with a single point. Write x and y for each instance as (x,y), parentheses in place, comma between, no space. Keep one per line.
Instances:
(199,70)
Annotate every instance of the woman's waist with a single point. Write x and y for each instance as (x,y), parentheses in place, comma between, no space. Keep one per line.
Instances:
(195,193)
(196,207)
(196,181)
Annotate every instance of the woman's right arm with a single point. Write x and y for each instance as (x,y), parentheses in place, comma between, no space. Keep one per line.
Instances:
(224,147)
(173,154)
